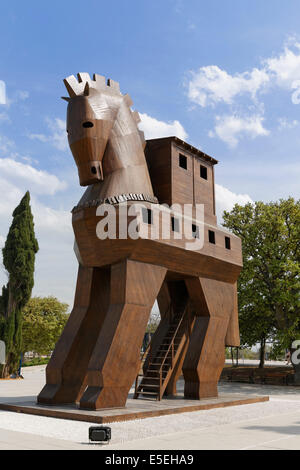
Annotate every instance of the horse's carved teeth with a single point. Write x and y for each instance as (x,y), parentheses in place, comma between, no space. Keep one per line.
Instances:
(100,81)
(113,85)
(83,77)
(128,100)
(72,86)
(76,87)
(86,91)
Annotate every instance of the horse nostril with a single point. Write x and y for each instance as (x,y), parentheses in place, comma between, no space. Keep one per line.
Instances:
(87,124)
(94,170)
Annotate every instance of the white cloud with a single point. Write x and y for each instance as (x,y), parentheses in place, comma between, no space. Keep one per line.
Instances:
(41,137)
(51,219)
(232,128)
(2,92)
(210,85)
(6,145)
(17,96)
(10,197)
(284,123)
(37,181)
(2,241)
(58,136)
(285,68)
(154,128)
(226,199)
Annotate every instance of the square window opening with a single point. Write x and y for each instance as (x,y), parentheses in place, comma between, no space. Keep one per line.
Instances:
(211,237)
(183,161)
(195,231)
(227,243)
(203,172)
(147,216)
(175,224)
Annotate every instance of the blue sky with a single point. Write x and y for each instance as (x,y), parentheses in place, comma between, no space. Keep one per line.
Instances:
(223,75)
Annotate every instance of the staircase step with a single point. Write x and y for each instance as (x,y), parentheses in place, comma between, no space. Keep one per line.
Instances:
(149,385)
(150,378)
(160,357)
(158,365)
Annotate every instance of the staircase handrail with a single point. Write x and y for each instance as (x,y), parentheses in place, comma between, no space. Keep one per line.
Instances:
(145,353)
(172,340)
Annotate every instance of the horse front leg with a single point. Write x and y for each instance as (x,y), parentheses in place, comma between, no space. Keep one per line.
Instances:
(66,371)
(116,358)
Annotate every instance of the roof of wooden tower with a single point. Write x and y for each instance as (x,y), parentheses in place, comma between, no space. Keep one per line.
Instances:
(186,146)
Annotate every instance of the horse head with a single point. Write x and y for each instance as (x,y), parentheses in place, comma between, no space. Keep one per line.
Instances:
(93,105)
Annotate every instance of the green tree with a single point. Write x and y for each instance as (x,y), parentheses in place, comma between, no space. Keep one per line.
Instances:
(43,321)
(269,285)
(18,259)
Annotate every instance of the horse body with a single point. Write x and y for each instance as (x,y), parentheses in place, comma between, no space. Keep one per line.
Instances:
(98,355)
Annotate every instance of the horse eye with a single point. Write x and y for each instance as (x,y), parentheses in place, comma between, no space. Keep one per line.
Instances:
(87,124)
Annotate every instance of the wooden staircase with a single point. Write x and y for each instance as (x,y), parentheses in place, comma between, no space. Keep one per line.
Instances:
(158,371)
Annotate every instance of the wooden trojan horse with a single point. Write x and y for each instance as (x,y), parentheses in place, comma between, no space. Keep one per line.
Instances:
(98,357)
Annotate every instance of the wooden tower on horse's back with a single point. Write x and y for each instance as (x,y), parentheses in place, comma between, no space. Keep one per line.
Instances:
(133,249)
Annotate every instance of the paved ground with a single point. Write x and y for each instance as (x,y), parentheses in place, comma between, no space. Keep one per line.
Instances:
(270,425)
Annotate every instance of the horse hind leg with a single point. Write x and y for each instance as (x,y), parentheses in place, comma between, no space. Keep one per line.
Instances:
(214,304)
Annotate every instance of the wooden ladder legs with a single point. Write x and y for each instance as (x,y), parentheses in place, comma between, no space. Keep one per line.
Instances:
(66,371)
(116,357)
(214,303)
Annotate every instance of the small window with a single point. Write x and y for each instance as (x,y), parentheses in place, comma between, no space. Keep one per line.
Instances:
(227,243)
(87,124)
(175,224)
(183,161)
(211,237)
(203,172)
(195,231)
(147,216)
(94,170)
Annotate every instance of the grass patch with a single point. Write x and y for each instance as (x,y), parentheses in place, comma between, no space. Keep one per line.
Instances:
(37,361)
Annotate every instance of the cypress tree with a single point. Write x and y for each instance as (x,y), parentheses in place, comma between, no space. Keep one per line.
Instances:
(18,259)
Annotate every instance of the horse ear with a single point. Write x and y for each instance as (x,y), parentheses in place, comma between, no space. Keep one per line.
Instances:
(86,89)
(66,99)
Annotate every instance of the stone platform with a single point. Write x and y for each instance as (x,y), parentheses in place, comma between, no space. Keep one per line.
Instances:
(135,409)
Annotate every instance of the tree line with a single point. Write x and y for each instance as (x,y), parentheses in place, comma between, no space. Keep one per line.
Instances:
(269,284)
(268,287)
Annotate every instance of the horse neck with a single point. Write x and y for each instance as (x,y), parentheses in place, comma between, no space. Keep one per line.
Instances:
(124,147)
(124,164)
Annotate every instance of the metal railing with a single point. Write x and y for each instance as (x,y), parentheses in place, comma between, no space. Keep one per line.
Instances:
(171,347)
(144,357)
